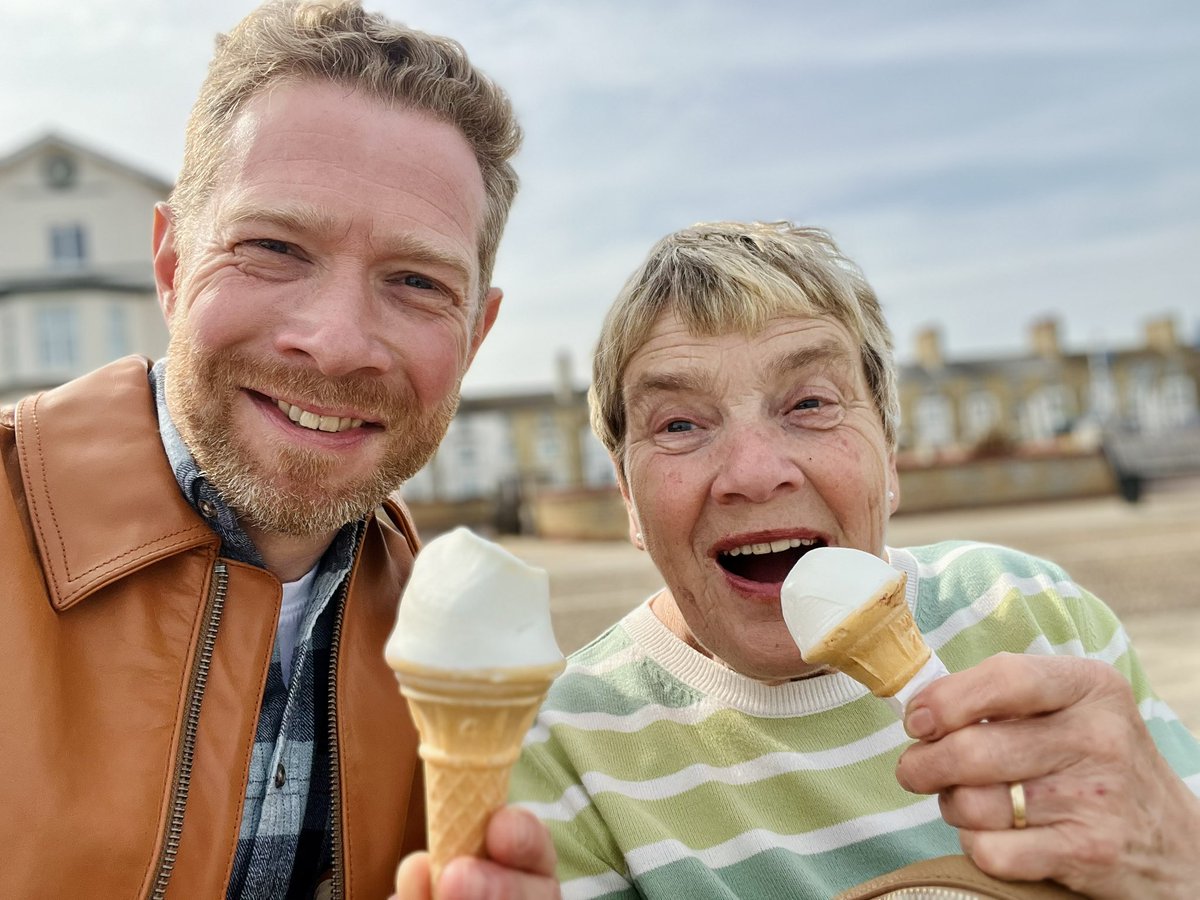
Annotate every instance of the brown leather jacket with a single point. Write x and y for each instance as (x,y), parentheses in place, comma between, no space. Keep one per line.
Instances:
(133,661)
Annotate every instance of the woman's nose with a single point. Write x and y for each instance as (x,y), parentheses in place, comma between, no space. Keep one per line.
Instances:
(759,464)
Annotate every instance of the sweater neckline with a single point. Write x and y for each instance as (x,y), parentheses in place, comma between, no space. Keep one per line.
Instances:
(818,693)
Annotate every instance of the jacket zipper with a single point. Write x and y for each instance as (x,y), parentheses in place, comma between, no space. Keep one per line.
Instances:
(187,747)
(337,838)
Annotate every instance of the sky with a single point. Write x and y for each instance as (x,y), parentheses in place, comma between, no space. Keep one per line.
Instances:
(987,164)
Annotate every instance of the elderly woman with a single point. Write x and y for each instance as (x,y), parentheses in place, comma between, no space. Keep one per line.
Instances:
(745,388)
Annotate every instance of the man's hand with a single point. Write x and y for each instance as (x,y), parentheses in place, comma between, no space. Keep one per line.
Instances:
(520,865)
(1106,814)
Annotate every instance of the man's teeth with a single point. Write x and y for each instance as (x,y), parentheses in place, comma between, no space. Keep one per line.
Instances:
(771,546)
(306,419)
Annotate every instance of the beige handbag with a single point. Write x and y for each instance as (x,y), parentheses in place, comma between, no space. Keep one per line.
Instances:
(952,878)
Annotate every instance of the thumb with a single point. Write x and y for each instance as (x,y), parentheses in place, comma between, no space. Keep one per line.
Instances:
(412,878)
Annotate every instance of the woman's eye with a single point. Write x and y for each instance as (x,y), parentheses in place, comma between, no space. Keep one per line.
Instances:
(679,426)
(810,403)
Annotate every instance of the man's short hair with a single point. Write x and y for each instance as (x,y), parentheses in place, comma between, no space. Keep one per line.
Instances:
(336,41)
(723,277)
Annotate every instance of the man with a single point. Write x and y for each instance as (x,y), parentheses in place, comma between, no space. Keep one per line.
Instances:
(202,559)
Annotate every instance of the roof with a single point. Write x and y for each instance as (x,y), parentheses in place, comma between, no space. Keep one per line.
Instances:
(57,141)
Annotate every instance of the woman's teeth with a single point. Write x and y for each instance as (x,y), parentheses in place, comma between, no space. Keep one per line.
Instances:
(771,546)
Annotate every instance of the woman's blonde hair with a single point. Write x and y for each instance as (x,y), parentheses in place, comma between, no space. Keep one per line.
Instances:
(721,277)
(338,42)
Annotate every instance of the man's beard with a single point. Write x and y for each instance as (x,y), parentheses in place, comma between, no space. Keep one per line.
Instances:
(293,497)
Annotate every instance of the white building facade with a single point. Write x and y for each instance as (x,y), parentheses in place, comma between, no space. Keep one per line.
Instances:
(76,282)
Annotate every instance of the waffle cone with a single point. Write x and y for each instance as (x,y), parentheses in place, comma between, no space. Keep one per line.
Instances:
(878,644)
(471,725)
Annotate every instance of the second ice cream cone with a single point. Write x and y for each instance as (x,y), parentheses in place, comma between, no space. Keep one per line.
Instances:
(471,726)
(877,644)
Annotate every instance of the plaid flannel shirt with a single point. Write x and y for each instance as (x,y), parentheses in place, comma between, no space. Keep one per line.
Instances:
(283,845)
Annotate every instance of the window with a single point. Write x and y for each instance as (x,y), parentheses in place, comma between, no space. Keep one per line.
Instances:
(1177,400)
(981,414)
(1049,411)
(68,245)
(935,421)
(118,331)
(57,337)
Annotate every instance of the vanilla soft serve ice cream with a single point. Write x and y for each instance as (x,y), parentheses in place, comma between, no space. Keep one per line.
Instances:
(847,608)
(474,652)
(470,604)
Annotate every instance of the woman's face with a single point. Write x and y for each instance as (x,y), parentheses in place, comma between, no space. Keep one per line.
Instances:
(736,445)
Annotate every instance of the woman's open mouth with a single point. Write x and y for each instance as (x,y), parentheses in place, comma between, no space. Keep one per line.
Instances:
(766,562)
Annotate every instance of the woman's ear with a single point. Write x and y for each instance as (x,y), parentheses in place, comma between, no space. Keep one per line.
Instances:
(635,526)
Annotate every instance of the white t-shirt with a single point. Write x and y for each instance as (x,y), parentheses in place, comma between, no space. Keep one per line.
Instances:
(295,598)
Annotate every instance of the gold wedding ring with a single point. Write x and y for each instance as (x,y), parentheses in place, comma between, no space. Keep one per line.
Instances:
(1016,792)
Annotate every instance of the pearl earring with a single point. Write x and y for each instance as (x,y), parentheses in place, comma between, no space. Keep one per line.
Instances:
(639,537)
(891,495)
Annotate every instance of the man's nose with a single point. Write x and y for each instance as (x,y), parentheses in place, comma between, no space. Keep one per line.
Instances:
(338,325)
(760,463)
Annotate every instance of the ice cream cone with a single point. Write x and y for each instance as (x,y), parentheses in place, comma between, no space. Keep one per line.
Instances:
(471,724)
(877,644)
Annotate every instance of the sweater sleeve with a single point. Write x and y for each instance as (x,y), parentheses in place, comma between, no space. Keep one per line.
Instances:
(979,599)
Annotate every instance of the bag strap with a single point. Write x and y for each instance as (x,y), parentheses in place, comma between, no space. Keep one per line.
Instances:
(956,872)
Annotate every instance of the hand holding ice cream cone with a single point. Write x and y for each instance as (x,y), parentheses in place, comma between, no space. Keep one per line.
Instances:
(474,652)
(847,609)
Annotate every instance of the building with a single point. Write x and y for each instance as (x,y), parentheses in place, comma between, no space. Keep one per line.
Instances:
(76,283)
(951,408)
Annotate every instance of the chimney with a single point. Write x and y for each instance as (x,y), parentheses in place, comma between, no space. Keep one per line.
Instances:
(564,388)
(1043,335)
(1161,336)
(929,349)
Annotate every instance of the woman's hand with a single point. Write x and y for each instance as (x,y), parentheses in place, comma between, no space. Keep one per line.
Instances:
(1104,812)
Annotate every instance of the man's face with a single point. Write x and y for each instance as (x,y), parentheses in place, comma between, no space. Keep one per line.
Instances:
(740,454)
(325,312)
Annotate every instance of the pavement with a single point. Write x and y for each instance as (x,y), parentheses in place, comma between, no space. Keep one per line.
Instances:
(1142,559)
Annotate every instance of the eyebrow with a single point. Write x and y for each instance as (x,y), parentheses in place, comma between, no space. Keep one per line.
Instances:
(667,383)
(826,355)
(306,220)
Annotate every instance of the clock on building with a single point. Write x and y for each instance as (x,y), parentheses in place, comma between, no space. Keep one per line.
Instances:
(58,170)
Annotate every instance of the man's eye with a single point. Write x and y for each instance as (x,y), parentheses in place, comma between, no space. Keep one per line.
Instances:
(679,426)
(419,282)
(273,246)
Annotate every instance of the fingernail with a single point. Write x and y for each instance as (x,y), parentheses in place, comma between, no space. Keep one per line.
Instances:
(919,723)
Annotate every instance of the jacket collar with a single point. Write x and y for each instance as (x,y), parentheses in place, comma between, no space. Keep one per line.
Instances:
(102,497)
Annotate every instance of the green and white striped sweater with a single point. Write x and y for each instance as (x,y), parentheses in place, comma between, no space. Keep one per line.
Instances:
(662,774)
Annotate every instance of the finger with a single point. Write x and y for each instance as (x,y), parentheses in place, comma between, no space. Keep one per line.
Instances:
(467,878)
(990,753)
(412,878)
(1006,686)
(1011,855)
(518,840)
(995,807)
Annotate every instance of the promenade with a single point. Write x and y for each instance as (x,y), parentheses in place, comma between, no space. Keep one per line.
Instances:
(1142,559)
